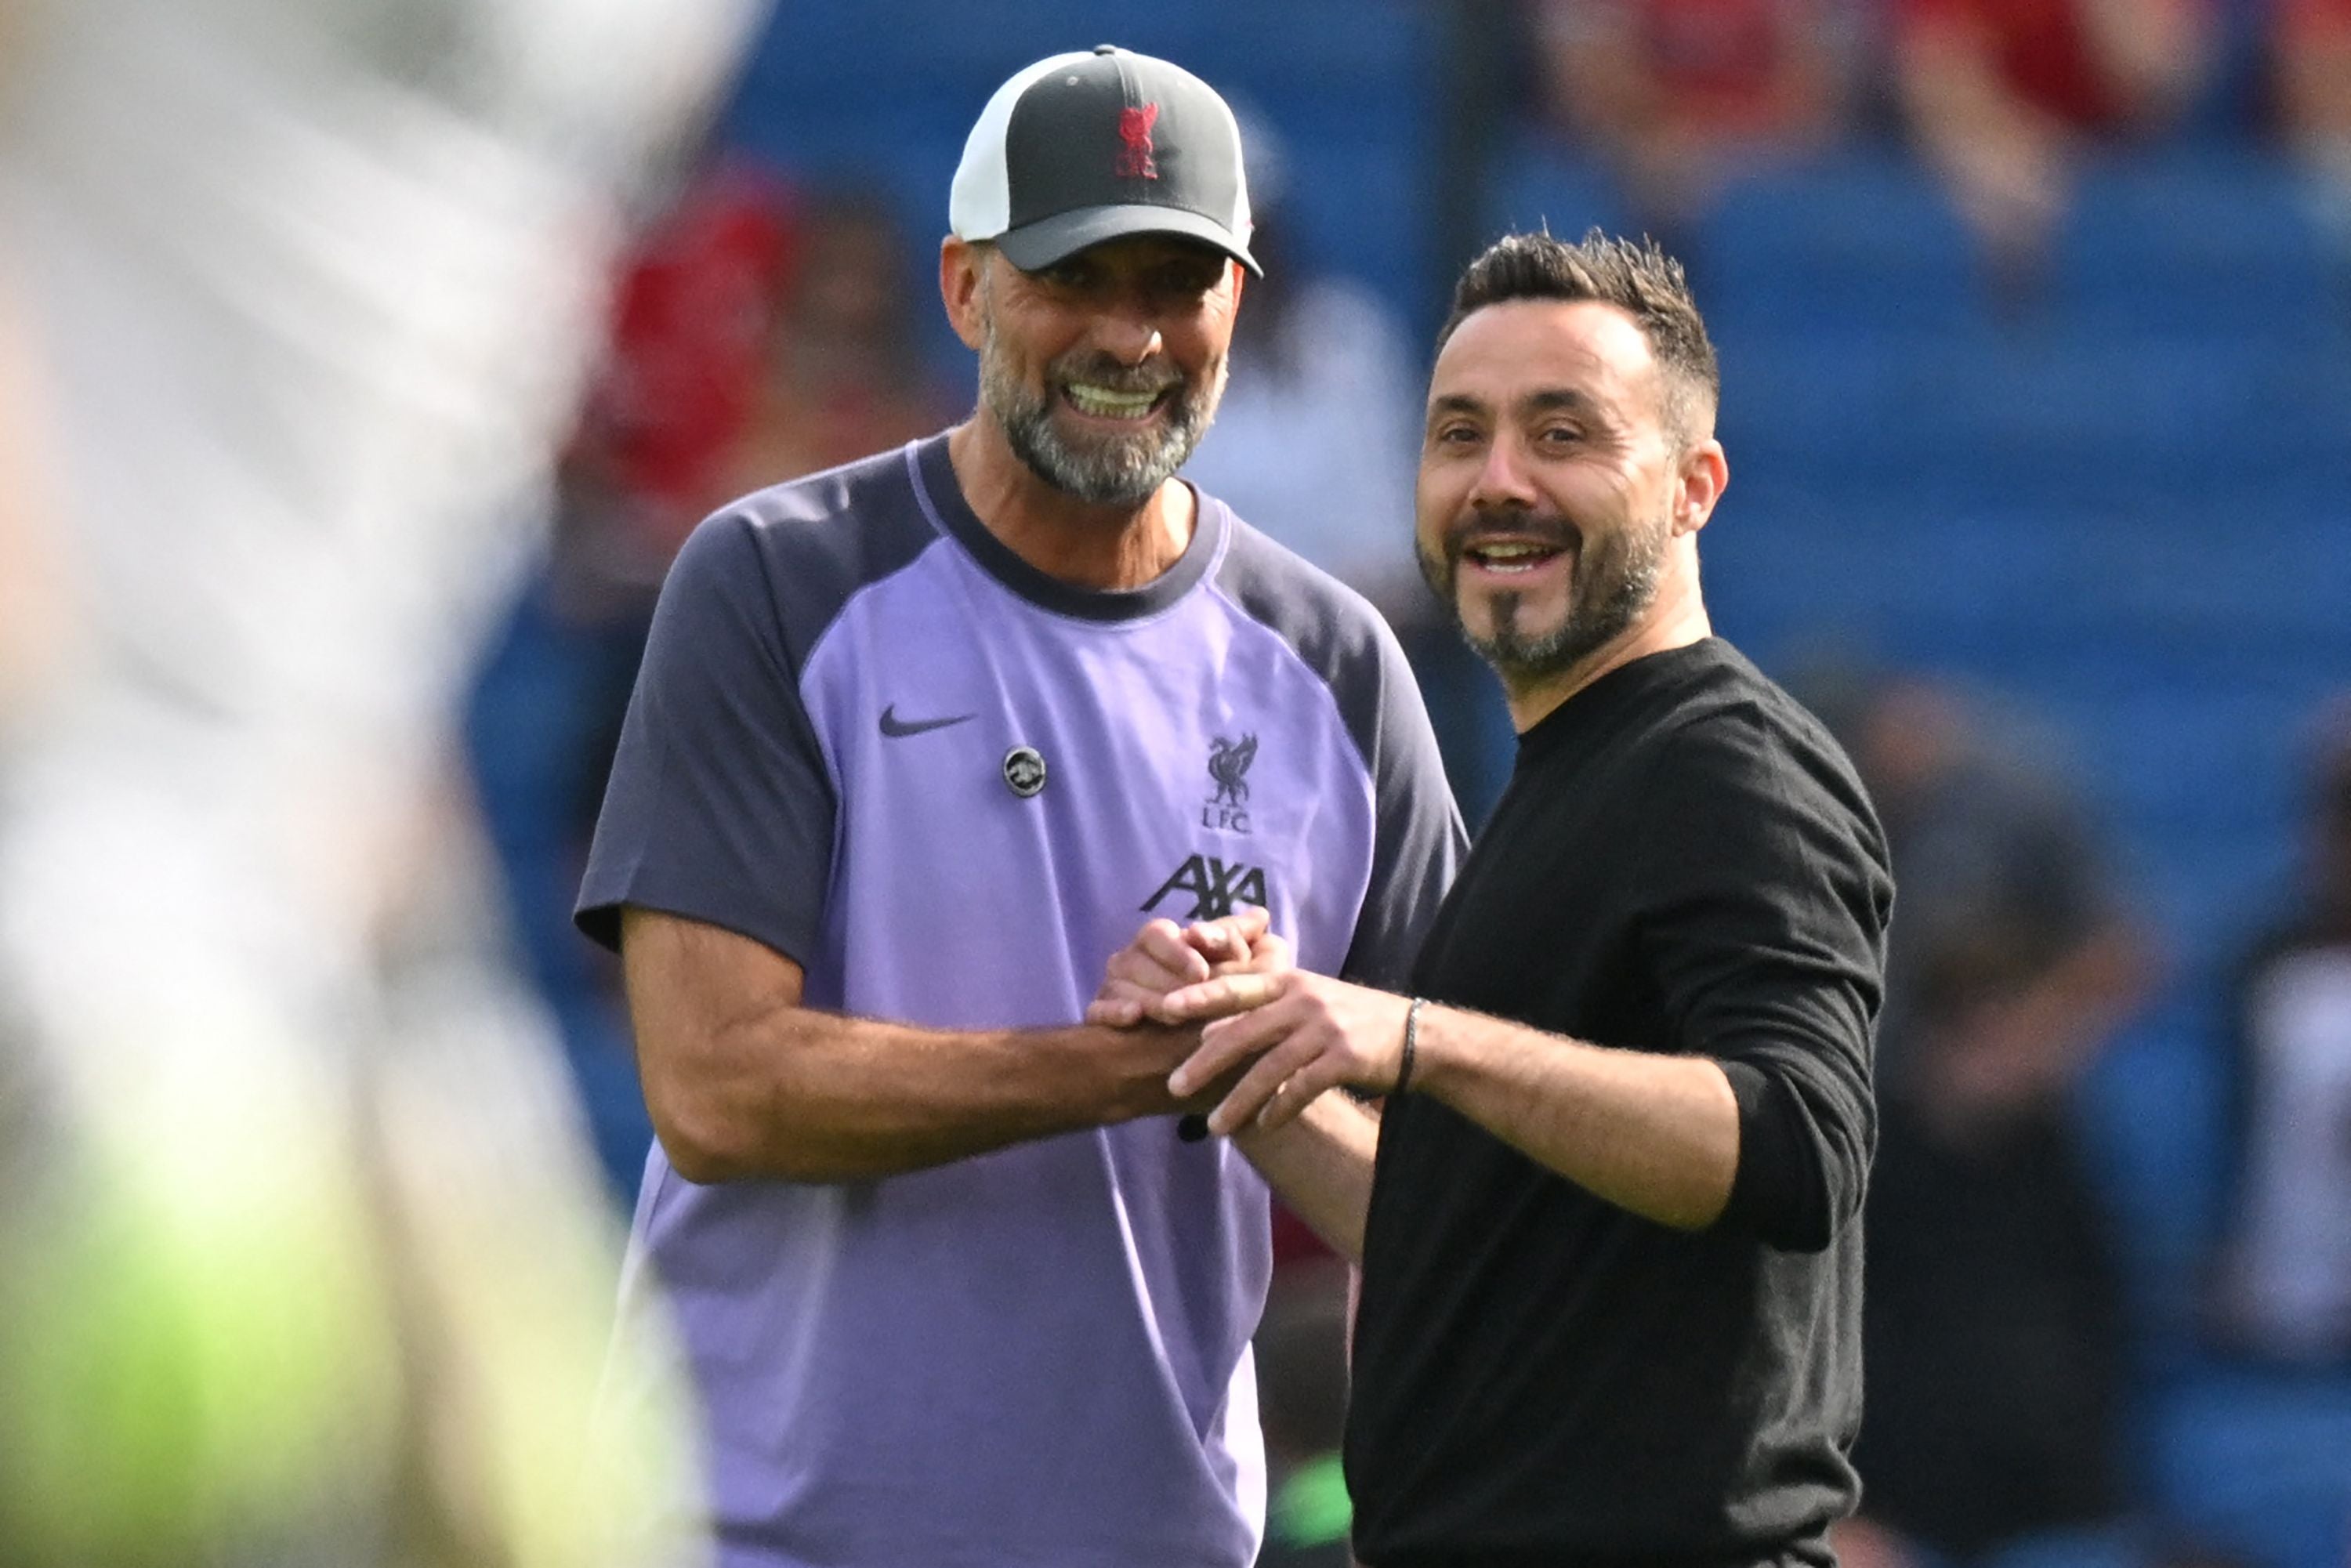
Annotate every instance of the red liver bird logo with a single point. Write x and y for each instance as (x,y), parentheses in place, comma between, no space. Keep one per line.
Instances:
(1134,142)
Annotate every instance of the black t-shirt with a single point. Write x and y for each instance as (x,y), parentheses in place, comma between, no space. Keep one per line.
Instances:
(1684,861)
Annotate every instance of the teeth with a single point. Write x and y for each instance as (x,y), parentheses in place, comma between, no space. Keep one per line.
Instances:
(1103,403)
(1511,556)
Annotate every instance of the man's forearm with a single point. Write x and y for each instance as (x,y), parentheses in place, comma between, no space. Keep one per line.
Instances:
(1321,1165)
(811,1096)
(1655,1134)
(744,1081)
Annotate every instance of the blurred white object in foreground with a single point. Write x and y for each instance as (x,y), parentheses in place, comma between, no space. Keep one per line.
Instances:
(299,1258)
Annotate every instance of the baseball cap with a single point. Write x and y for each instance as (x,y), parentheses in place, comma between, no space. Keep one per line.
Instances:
(1083,148)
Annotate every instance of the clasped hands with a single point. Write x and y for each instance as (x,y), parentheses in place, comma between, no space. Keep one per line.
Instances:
(1290,1034)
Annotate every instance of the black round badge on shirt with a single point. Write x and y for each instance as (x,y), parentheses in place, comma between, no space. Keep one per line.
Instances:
(1024,772)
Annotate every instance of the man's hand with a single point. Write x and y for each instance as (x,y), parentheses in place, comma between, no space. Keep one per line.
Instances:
(1164,957)
(1178,976)
(1296,1034)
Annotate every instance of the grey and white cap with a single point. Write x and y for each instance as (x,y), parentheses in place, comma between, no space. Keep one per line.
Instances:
(1083,148)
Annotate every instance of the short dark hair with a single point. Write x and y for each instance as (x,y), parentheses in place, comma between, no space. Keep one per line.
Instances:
(1638,277)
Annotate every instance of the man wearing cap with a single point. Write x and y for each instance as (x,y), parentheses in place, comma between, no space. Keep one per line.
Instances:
(915,744)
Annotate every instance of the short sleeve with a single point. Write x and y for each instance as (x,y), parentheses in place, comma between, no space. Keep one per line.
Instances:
(1764,908)
(1417,838)
(720,806)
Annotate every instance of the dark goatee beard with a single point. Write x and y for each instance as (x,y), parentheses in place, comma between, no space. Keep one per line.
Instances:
(1615,581)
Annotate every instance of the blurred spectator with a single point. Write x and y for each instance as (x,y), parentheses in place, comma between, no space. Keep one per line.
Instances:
(2285,1279)
(1992,1321)
(301,1262)
(691,317)
(2002,96)
(1681,94)
(844,374)
(755,336)
(2310,55)
(1317,444)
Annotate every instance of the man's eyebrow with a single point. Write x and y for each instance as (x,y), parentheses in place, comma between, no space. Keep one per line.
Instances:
(1456,403)
(1548,400)
(1559,400)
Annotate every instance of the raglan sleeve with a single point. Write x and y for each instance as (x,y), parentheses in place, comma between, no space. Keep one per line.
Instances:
(1417,839)
(1761,912)
(720,806)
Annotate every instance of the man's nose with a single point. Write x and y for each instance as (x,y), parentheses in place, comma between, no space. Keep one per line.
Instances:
(1127,323)
(1503,478)
(1129,335)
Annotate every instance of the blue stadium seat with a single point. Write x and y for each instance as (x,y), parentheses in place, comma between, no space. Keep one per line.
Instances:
(1859,244)
(2259,1462)
(2148,1112)
(1541,182)
(2204,242)
(1355,204)
(838,67)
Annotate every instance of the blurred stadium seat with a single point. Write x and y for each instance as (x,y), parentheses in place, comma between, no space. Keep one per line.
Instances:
(2260,1463)
(2208,241)
(1857,244)
(1541,183)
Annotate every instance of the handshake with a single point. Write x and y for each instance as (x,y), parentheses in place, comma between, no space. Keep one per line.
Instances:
(1279,1034)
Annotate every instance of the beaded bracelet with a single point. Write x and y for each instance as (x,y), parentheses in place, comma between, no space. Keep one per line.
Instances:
(1411,1040)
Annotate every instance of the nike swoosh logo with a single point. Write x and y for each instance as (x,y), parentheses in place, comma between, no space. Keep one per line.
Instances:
(896,728)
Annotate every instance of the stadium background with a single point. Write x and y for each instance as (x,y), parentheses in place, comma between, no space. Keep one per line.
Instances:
(2122,521)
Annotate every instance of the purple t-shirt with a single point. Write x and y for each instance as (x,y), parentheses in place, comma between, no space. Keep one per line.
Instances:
(948,786)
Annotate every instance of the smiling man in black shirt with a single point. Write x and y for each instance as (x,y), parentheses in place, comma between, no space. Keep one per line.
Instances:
(1609,1220)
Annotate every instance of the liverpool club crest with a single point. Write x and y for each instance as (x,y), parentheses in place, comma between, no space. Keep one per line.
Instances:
(1229,765)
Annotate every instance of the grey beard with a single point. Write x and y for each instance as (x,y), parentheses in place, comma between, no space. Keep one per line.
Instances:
(1118,472)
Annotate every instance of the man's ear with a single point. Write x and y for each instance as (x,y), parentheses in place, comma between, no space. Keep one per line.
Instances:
(963,276)
(1703,473)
